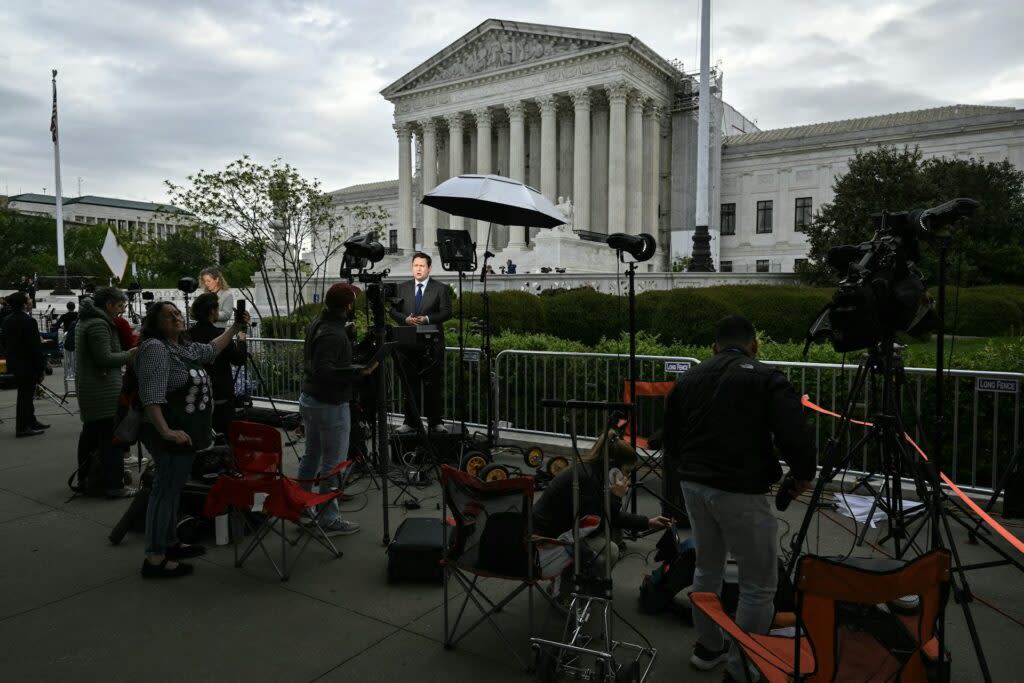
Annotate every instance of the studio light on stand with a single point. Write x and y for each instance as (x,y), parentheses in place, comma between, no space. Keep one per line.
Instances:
(187,286)
(458,254)
(632,249)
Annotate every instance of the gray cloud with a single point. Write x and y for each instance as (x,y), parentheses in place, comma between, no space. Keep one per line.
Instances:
(153,90)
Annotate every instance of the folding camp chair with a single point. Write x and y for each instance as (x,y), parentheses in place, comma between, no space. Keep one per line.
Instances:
(258,485)
(650,416)
(856,620)
(493,539)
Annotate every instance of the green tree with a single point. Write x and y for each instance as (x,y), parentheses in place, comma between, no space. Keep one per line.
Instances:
(282,217)
(30,247)
(162,262)
(990,248)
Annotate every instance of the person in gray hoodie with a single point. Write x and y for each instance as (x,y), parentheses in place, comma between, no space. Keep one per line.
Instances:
(99,359)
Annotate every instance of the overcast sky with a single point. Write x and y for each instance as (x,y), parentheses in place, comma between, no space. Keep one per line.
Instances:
(151,90)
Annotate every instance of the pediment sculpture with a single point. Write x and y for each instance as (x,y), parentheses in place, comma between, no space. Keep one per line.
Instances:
(498,50)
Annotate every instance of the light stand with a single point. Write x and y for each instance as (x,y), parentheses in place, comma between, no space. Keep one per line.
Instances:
(458,253)
(640,248)
(485,347)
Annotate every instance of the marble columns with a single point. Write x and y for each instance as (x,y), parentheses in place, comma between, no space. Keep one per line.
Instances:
(455,153)
(581,160)
(617,156)
(548,147)
(429,129)
(517,163)
(484,164)
(634,164)
(404,186)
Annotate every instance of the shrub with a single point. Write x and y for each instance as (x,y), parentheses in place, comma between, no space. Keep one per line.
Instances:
(585,315)
(982,311)
(512,311)
(689,316)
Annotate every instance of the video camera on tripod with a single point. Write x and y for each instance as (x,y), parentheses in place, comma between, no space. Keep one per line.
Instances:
(883,290)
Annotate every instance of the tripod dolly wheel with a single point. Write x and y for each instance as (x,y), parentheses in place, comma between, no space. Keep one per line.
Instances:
(473,462)
(494,472)
(534,457)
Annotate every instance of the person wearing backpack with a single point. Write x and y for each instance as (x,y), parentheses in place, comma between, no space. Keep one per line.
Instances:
(99,359)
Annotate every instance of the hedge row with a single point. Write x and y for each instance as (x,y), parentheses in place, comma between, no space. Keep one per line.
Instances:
(688,316)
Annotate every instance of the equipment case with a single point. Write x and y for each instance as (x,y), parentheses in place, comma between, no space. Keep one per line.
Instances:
(415,552)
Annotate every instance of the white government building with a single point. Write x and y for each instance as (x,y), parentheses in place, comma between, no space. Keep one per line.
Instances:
(143,219)
(607,128)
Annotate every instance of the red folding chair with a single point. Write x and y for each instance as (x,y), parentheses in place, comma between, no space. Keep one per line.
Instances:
(257,452)
(853,622)
(493,539)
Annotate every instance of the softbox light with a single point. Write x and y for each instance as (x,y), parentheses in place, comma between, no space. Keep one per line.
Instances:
(456,249)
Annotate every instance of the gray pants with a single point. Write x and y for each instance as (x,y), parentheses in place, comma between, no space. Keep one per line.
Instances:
(744,525)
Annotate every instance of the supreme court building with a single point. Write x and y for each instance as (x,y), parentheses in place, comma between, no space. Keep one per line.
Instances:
(607,129)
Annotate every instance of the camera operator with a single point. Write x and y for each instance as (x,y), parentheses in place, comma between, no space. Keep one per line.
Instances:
(325,396)
(424,302)
(25,361)
(553,512)
(213,282)
(721,421)
(206,313)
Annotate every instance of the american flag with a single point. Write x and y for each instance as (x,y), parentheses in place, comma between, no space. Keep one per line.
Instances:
(53,118)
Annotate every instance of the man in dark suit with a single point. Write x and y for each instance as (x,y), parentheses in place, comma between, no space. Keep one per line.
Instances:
(24,361)
(424,302)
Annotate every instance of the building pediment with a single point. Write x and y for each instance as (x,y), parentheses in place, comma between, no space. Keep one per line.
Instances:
(498,45)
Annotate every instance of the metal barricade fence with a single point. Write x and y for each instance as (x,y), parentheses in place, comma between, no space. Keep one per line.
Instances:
(279,368)
(527,377)
(983,409)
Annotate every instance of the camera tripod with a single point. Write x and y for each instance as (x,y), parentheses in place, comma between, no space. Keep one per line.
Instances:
(895,461)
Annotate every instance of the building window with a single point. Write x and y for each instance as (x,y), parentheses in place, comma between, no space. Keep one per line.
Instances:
(79,219)
(762,265)
(392,241)
(727,219)
(131,224)
(764,217)
(90,220)
(802,214)
(798,263)
(725,266)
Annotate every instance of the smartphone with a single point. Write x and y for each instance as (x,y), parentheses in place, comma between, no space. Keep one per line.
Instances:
(240,312)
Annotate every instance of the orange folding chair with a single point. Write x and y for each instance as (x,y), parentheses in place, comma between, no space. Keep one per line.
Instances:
(258,481)
(856,620)
(493,539)
(650,415)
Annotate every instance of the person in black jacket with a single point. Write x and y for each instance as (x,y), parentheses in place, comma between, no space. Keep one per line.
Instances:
(423,302)
(553,512)
(25,361)
(207,314)
(723,421)
(329,375)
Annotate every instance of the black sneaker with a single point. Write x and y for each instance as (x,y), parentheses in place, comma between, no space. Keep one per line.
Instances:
(706,659)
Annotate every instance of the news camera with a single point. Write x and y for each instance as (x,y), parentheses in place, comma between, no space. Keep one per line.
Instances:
(883,291)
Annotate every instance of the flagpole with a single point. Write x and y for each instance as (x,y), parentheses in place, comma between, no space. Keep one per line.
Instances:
(62,283)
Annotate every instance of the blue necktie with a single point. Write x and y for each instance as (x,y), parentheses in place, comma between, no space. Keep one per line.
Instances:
(419,298)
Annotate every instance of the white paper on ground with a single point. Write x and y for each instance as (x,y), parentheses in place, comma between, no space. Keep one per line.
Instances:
(858,507)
